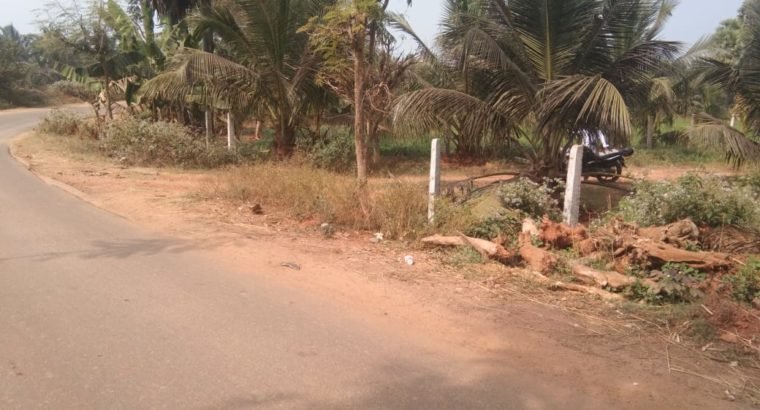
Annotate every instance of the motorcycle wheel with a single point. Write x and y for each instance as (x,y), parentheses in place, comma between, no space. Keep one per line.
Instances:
(615,171)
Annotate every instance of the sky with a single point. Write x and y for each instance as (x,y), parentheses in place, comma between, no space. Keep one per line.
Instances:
(691,20)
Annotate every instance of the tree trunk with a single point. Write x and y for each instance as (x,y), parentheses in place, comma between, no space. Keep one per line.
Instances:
(359,77)
(107,87)
(208,46)
(374,143)
(149,27)
(285,139)
(650,131)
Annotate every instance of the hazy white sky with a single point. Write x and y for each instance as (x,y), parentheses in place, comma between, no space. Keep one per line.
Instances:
(692,19)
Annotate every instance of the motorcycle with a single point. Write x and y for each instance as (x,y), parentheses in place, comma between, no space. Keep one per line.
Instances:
(607,167)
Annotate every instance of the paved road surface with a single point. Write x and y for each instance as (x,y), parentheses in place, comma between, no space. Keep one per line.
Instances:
(98,314)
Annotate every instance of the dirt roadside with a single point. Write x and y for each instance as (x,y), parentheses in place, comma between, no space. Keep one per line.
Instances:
(486,311)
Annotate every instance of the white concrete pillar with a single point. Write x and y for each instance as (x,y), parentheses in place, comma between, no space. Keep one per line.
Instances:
(435,177)
(573,188)
(230,132)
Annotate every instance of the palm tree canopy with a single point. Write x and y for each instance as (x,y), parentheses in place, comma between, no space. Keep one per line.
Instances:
(550,66)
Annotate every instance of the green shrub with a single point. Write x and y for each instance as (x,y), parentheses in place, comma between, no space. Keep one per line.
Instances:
(746,282)
(67,123)
(705,200)
(536,200)
(335,152)
(161,144)
(503,222)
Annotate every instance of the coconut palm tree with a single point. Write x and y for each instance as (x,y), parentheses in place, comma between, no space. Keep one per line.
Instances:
(740,78)
(546,67)
(265,68)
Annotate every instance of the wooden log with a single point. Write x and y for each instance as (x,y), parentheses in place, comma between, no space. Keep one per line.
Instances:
(536,258)
(561,236)
(486,248)
(612,279)
(608,296)
(660,254)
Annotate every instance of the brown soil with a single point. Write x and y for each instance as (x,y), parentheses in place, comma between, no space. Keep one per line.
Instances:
(484,309)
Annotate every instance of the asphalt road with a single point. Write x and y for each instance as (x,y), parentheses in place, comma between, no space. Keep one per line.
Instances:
(98,314)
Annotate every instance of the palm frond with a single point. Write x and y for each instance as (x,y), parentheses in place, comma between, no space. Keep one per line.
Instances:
(585,102)
(710,132)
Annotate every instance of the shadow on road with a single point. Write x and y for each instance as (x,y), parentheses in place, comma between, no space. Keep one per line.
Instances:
(404,385)
(126,248)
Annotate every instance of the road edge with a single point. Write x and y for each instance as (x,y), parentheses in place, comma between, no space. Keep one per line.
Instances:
(12,151)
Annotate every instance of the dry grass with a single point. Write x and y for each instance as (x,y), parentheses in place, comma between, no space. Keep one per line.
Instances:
(396,208)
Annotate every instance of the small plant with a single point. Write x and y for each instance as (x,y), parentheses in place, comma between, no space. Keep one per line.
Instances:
(463,256)
(682,270)
(746,282)
(676,285)
(536,200)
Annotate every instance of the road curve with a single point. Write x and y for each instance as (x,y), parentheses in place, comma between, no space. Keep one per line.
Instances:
(98,314)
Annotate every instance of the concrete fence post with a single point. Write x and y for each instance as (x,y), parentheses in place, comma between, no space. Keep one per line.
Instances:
(435,177)
(573,188)
(230,131)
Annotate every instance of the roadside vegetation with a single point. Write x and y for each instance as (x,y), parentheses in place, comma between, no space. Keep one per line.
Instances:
(311,109)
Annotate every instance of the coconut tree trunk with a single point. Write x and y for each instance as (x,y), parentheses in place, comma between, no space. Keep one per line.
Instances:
(374,143)
(650,131)
(208,46)
(146,7)
(107,87)
(359,77)
(285,138)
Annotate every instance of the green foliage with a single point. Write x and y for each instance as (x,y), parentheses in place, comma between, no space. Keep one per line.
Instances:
(67,123)
(707,200)
(536,200)
(161,144)
(463,256)
(746,282)
(505,222)
(22,75)
(334,152)
(539,69)
(682,269)
(670,289)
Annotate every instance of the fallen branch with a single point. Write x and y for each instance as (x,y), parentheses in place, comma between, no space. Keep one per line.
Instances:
(487,249)
(661,253)
(612,279)
(536,258)
(609,296)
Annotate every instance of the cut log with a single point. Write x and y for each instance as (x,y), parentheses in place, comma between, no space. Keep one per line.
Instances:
(659,254)
(613,280)
(608,296)
(561,236)
(586,247)
(536,258)
(486,248)
(679,234)
(529,226)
